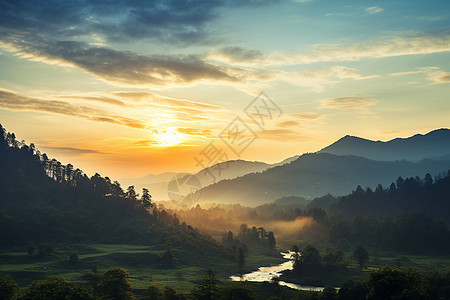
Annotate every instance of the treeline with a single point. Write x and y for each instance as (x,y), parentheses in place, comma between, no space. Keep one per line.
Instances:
(412,233)
(413,194)
(383,284)
(247,235)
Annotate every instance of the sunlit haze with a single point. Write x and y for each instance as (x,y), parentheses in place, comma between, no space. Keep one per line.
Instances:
(130,88)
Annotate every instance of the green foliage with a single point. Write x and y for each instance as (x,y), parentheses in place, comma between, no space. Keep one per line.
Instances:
(241,257)
(333,258)
(236,292)
(171,294)
(73,258)
(389,283)
(361,256)
(353,290)
(54,287)
(8,287)
(206,289)
(167,259)
(152,293)
(310,256)
(114,285)
(328,293)
(31,248)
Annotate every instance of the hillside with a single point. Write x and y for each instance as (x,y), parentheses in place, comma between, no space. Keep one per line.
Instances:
(314,175)
(43,201)
(434,144)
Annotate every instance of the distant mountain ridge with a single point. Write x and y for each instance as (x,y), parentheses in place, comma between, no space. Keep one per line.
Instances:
(314,175)
(158,184)
(435,144)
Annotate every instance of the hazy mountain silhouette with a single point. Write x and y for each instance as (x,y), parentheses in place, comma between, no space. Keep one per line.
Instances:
(435,144)
(158,184)
(313,175)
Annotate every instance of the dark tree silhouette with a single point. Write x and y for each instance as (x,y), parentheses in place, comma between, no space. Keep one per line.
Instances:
(241,257)
(114,285)
(206,289)
(361,256)
(146,198)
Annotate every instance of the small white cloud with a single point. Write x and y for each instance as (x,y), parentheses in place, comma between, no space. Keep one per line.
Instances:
(374,10)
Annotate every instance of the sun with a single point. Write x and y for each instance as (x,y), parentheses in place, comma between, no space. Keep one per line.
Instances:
(169,137)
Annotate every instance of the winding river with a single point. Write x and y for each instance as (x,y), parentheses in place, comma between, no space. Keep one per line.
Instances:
(268,273)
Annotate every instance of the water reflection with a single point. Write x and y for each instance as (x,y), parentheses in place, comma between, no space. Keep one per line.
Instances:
(269,273)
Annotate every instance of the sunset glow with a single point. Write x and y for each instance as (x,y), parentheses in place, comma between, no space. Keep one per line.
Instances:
(109,85)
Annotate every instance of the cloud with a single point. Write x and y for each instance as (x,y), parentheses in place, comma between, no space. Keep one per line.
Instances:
(77,34)
(98,99)
(234,54)
(282,135)
(13,101)
(374,10)
(300,120)
(305,116)
(195,131)
(288,124)
(169,21)
(388,47)
(348,103)
(434,74)
(318,78)
(73,150)
(152,112)
(439,77)
(129,68)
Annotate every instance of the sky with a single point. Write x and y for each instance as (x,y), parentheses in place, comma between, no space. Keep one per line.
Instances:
(128,88)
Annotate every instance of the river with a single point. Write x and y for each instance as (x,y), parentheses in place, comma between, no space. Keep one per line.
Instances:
(268,273)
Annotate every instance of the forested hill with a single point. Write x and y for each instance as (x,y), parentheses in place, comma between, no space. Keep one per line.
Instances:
(42,200)
(427,196)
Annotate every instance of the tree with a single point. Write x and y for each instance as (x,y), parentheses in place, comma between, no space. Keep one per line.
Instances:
(54,287)
(328,293)
(361,256)
(389,283)
(131,193)
(170,294)
(8,287)
(352,290)
(241,257)
(73,258)
(206,289)
(116,189)
(236,292)
(114,285)
(271,240)
(329,259)
(310,256)
(31,248)
(146,198)
(168,258)
(152,293)
(296,255)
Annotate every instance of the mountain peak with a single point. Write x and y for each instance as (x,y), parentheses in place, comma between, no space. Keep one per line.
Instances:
(435,143)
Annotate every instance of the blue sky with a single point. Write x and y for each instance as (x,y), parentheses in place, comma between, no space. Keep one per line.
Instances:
(137,87)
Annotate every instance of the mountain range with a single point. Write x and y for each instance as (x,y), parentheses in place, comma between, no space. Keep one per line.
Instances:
(435,145)
(159,184)
(337,169)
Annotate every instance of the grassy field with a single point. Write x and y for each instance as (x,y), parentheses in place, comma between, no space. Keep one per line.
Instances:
(139,261)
